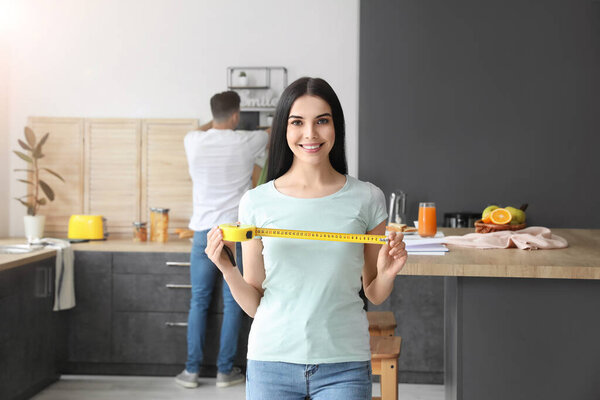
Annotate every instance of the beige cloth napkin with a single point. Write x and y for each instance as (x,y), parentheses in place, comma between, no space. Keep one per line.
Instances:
(534,237)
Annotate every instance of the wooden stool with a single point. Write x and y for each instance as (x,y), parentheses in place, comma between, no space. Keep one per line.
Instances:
(381,323)
(385,351)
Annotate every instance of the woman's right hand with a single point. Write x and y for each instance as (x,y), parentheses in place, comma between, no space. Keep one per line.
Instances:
(214,250)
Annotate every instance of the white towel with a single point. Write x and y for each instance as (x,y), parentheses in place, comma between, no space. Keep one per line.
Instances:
(64,293)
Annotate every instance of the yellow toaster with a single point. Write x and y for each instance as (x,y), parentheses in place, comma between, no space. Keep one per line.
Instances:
(89,227)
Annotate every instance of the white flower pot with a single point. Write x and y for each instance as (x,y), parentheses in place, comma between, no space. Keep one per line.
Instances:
(34,227)
(243,81)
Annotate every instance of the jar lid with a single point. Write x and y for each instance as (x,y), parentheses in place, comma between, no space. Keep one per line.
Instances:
(140,224)
(159,210)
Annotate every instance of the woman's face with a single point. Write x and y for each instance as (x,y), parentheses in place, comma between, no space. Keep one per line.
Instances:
(310,131)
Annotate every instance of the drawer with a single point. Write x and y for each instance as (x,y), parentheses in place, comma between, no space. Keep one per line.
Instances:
(145,338)
(149,263)
(149,292)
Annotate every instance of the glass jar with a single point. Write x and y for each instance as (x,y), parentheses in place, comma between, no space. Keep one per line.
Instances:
(159,224)
(140,232)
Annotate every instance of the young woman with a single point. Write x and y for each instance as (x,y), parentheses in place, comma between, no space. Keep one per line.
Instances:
(310,338)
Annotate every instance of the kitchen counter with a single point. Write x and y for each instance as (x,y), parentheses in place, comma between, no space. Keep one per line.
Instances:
(581,260)
(8,261)
(116,245)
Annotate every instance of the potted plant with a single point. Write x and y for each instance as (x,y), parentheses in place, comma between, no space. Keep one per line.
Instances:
(39,192)
(243,79)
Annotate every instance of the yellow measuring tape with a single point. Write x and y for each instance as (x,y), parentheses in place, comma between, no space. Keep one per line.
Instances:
(241,233)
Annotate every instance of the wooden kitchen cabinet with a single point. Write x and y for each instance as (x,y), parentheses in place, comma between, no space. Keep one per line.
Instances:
(90,320)
(64,154)
(127,321)
(112,181)
(116,167)
(150,303)
(32,336)
(166,182)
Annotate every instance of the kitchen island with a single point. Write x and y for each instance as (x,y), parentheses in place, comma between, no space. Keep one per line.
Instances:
(520,324)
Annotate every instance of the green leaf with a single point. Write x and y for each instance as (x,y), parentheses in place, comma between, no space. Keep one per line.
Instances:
(26,204)
(30,136)
(37,153)
(23,156)
(24,181)
(25,170)
(47,191)
(41,143)
(24,145)
(54,173)
(41,202)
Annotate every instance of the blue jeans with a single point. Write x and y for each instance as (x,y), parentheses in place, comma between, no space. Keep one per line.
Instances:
(203,274)
(267,380)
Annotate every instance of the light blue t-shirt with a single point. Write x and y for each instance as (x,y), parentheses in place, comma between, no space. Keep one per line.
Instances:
(311,311)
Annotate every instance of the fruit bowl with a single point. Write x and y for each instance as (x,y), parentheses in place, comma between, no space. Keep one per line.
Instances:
(482,227)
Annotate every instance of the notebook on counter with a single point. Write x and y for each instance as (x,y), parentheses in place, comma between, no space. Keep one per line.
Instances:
(417,245)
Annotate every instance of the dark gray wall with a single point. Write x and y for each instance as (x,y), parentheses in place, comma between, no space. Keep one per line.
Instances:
(469,103)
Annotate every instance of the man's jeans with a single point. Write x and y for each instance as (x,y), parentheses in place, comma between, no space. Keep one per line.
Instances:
(203,275)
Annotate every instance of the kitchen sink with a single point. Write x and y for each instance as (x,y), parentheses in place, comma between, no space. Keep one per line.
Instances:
(17,248)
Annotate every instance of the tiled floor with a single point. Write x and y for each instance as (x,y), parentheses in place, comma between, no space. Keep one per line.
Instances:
(83,387)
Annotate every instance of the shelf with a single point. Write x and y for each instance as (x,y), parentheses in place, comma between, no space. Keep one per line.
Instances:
(260,78)
(265,85)
(257,109)
(247,87)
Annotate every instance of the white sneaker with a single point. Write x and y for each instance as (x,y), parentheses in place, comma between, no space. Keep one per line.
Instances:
(232,378)
(187,379)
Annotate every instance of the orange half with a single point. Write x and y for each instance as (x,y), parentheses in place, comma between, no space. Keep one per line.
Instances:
(500,216)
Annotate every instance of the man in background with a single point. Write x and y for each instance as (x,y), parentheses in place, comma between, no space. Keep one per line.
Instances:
(220,162)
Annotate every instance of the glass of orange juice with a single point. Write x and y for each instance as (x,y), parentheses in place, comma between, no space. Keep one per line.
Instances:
(427,220)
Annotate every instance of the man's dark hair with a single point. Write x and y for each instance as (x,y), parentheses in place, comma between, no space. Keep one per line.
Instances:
(224,104)
(280,154)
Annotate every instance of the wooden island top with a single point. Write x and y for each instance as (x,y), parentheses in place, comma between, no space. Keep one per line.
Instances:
(581,260)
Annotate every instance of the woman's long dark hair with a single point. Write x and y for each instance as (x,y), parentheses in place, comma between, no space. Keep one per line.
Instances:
(280,154)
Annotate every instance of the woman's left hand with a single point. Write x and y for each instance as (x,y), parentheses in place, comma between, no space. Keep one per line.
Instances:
(392,256)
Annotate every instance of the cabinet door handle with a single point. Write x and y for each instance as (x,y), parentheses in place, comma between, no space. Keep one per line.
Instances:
(176,324)
(51,282)
(177,264)
(177,286)
(41,284)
